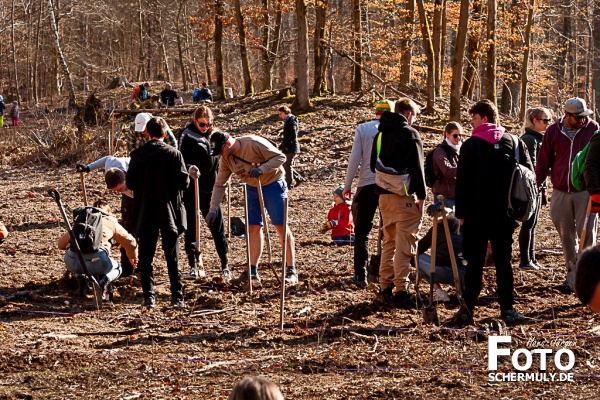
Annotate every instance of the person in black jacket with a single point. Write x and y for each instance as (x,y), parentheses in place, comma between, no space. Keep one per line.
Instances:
(195,148)
(443,266)
(289,146)
(168,95)
(485,168)
(397,161)
(158,177)
(537,119)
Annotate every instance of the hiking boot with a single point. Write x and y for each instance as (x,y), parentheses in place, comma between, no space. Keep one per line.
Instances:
(403,300)
(565,288)
(462,317)
(243,278)
(291,277)
(511,315)
(386,295)
(177,302)
(299,180)
(529,267)
(441,295)
(193,274)
(149,302)
(359,281)
(226,274)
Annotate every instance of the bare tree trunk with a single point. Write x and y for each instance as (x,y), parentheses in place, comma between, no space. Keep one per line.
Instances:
(490,68)
(436,41)
(428,46)
(596,53)
(219,10)
(270,44)
(357,46)
(319,48)
(526,50)
(163,47)
(473,61)
(248,85)
(457,61)
(209,78)
(141,44)
(72,102)
(36,77)
(14,50)
(302,102)
(407,32)
(179,48)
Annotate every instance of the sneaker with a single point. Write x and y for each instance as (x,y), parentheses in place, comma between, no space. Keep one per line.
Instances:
(537,264)
(511,315)
(529,267)
(243,278)
(359,281)
(291,277)
(386,294)
(226,274)
(403,300)
(149,302)
(462,317)
(177,302)
(441,295)
(193,274)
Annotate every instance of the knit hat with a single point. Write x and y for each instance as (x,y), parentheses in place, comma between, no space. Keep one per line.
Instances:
(384,105)
(140,121)
(340,193)
(217,141)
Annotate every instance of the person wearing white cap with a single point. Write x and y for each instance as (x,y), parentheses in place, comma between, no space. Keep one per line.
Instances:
(139,136)
(562,141)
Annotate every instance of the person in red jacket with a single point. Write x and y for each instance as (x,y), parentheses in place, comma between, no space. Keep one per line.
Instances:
(339,220)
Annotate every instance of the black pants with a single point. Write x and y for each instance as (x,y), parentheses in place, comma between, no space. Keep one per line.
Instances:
(527,235)
(127,208)
(147,240)
(290,173)
(364,206)
(476,234)
(217,230)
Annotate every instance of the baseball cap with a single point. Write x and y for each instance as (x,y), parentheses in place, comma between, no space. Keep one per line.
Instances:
(217,141)
(384,105)
(140,121)
(577,106)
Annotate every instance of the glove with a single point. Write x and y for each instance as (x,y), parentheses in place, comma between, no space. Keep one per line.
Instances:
(194,172)
(82,168)
(255,172)
(328,225)
(211,218)
(595,204)
(544,197)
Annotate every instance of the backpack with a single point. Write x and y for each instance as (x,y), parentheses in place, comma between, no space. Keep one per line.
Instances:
(430,176)
(522,192)
(143,92)
(196,96)
(87,227)
(577,167)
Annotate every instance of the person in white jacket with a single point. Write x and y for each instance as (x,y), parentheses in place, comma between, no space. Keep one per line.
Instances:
(365,201)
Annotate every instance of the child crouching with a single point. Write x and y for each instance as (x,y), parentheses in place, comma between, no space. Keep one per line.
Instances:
(339,220)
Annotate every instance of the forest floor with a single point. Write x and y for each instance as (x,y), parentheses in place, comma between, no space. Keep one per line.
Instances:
(339,342)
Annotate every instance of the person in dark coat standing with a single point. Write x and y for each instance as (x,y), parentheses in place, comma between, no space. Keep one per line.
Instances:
(485,167)
(537,119)
(158,177)
(195,148)
(289,146)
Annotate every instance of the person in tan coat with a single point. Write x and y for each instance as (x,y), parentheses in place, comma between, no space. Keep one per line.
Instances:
(100,264)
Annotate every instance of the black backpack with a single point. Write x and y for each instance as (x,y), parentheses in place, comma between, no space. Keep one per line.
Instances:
(522,193)
(87,227)
(430,175)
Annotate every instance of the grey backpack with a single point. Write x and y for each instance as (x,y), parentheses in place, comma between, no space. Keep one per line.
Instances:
(522,193)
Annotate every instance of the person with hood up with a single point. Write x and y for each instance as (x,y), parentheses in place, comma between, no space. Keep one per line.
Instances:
(483,177)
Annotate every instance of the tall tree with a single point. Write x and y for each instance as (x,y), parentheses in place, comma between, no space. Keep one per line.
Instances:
(407,28)
(179,44)
(14,49)
(525,66)
(428,46)
(270,43)
(319,48)
(219,11)
(302,101)
(239,17)
(63,62)
(473,45)
(457,61)
(357,46)
(439,12)
(490,67)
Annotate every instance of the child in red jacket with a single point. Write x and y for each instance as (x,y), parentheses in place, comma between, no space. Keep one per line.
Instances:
(339,220)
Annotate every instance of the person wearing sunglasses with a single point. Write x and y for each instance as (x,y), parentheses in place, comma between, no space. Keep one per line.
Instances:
(562,141)
(445,163)
(537,120)
(195,148)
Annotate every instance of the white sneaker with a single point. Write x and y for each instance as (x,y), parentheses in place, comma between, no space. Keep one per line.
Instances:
(193,274)
(441,295)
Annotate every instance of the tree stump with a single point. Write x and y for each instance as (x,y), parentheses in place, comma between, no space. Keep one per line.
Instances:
(119,81)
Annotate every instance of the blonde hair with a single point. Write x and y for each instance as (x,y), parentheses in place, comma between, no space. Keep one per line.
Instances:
(204,112)
(531,113)
(255,388)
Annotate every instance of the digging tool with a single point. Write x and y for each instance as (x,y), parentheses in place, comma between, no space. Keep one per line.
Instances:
(201,273)
(85,203)
(457,286)
(417,278)
(283,260)
(430,315)
(247,238)
(98,298)
(266,228)
(229,209)
(588,213)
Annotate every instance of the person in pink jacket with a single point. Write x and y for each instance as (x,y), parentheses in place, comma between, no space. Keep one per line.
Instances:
(339,220)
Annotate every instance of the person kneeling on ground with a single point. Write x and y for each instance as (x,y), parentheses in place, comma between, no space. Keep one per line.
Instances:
(443,266)
(100,264)
(339,220)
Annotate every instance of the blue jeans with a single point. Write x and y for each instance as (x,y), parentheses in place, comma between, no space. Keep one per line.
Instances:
(343,240)
(98,263)
(450,203)
(443,273)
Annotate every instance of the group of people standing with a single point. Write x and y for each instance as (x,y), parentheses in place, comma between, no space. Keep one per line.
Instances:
(14,112)
(474,177)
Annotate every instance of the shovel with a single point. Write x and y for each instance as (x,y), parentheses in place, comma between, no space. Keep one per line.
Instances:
(197,253)
(247,238)
(266,228)
(430,315)
(588,212)
(85,203)
(461,301)
(283,263)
